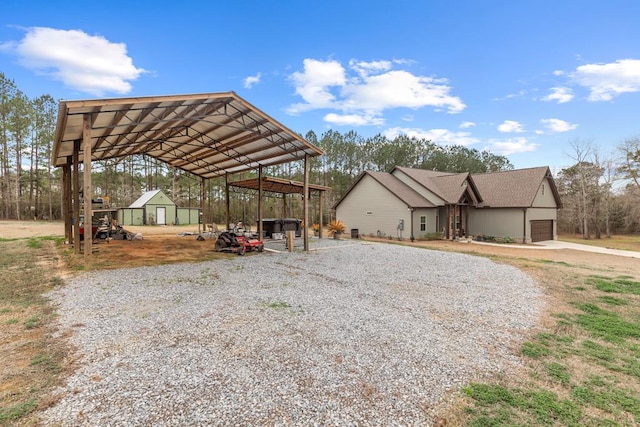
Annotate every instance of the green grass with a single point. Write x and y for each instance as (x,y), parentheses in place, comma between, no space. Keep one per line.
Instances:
(24,281)
(17,411)
(584,371)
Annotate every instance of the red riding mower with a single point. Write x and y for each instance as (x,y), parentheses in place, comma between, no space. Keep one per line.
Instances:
(238,242)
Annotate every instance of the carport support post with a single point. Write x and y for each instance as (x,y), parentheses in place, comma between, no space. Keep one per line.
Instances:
(320,209)
(201,217)
(76,197)
(305,202)
(226,194)
(260,203)
(88,214)
(66,201)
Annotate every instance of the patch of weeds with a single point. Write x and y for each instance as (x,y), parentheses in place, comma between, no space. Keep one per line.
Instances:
(619,285)
(580,288)
(535,350)
(278,305)
(558,373)
(34,243)
(57,281)
(548,261)
(548,409)
(32,322)
(631,366)
(5,310)
(18,410)
(11,321)
(606,324)
(46,361)
(607,299)
(489,394)
(548,338)
(540,405)
(597,351)
(610,398)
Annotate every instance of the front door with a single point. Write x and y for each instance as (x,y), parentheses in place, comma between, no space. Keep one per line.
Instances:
(161,215)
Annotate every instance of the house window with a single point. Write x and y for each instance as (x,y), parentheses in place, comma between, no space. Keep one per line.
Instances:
(543,189)
(423,223)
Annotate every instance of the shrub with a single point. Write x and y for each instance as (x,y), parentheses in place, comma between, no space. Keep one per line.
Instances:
(336,226)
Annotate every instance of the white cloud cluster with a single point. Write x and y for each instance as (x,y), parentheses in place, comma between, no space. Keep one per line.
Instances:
(87,63)
(363,91)
(605,81)
(510,126)
(557,125)
(252,80)
(560,95)
(511,146)
(438,136)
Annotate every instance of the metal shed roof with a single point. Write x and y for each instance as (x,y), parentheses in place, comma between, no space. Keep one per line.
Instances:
(277,185)
(207,135)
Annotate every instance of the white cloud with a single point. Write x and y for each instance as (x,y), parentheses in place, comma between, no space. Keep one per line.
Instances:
(314,83)
(87,63)
(353,119)
(605,81)
(510,126)
(511,146)
(557,125)
(370,88)
(466,125)
(366,68)
(438,136)
(559,94)
(252,80)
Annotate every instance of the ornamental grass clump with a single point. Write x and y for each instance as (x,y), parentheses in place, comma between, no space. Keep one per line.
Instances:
(336,227)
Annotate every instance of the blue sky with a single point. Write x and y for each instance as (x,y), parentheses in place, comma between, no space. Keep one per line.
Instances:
(524,79)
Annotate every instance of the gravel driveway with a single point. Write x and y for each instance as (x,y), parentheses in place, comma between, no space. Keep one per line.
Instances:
(358,334)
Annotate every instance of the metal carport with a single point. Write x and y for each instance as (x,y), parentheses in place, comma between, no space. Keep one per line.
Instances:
(284,187)
(208,135)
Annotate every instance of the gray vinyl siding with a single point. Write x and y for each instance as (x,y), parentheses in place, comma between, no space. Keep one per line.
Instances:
(506,222)
(385,208)
(544,197)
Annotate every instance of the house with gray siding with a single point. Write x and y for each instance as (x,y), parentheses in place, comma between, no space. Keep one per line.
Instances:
(408,203)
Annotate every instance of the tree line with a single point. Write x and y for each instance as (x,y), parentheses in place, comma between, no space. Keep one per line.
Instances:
(595,201)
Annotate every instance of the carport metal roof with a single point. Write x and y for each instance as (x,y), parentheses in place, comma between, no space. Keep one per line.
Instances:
(208,135)
(277,185)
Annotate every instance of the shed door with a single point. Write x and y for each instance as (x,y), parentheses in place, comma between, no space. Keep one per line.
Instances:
(161,215)
(541,230)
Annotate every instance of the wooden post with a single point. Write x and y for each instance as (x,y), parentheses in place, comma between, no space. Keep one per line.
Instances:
(76,198)
(88,195)
(305,203)
(320,208)
(290,236)
(201,218)
(260,203)
(228,202)
(67,210)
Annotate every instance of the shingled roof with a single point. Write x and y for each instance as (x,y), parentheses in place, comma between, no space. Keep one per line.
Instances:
(396,187)
(508,189)
(515,188)
(448,186)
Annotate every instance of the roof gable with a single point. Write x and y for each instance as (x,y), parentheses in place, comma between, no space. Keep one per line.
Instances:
(145,198)
(450,187)
(395,186)
(515,188)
